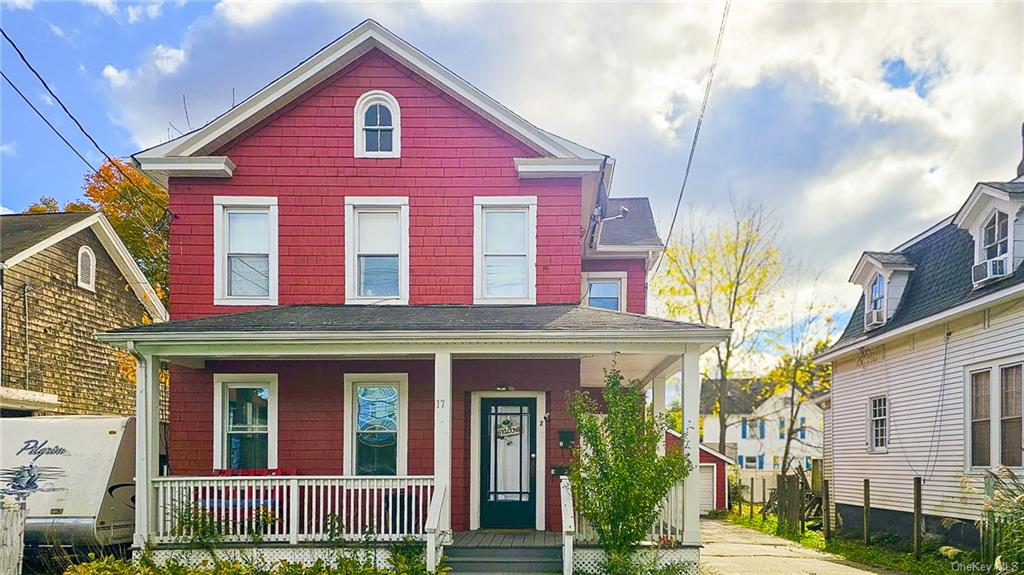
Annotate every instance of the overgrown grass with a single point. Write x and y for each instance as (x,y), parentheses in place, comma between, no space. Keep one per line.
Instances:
(879,555)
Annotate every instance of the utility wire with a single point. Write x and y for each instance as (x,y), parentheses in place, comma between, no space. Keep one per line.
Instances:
(696,134)
(74,119)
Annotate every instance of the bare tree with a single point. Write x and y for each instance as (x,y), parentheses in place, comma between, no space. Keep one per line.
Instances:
(724,274)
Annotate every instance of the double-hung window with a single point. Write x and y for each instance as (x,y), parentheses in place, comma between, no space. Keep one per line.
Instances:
(605,290)
(245,250)
(995,236)
(376,422)
(996,402)
(377,250)
(878,424)
(878,292)
(245,421)
(505,249)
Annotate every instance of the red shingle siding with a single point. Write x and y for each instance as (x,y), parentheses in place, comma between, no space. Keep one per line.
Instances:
(303,155)
(311,415)
(636,279)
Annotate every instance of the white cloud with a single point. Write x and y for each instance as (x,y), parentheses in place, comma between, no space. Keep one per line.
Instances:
(108,7)
(243,14)
(167,60)
(150,10)
(47,99)
(117,78)
(8,148)
(57,30)
(5,210)
(19,4)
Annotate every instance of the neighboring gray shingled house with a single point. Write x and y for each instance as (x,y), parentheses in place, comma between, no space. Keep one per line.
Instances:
(927,375)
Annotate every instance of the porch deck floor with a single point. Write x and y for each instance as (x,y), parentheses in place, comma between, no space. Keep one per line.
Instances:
(505,538)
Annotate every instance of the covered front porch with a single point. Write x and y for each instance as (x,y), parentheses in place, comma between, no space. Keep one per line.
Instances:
(466,428)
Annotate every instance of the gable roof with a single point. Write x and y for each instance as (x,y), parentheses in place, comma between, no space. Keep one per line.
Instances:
(636,229)
(941,281)
(19,232)
(743,398)
(890,258)
(334,57)
(24,235)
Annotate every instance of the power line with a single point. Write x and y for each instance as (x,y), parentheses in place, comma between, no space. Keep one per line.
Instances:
(696,134)
(75,120)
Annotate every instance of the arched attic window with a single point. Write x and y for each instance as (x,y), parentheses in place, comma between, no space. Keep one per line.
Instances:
(86,268)
(378,126)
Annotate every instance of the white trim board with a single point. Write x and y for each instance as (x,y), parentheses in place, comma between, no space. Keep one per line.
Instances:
(540,430)
(115,249)
(401,380)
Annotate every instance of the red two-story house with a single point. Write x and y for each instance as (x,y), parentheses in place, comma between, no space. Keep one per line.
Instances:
(384,286)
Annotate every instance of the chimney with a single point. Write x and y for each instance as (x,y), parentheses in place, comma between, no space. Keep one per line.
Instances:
(1020,166)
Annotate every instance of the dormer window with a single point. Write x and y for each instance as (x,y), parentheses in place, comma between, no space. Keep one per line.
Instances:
(995,236)
(878,293)
(378,127)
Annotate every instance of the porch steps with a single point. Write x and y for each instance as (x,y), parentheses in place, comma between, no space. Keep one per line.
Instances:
(507,560)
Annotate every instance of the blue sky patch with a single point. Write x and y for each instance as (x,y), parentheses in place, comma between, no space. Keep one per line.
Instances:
(898,74)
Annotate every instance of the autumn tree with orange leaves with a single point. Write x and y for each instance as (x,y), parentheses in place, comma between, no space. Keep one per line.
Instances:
(135,207)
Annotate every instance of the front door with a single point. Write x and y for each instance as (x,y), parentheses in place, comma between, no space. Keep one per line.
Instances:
(508,457)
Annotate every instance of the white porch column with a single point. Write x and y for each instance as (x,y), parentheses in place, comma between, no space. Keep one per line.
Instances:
(658,401)
(691,444)
(443,432)
(147,445)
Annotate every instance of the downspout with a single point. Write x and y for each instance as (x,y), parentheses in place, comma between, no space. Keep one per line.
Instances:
(595,217)
(24,303)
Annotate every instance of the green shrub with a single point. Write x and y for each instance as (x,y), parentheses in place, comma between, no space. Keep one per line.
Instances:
(1002,526)
(618,478)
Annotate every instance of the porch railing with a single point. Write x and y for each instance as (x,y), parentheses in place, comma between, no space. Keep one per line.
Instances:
(291,509)
(568,525)
(666,531)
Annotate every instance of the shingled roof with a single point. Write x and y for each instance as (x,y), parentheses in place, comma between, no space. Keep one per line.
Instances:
(941,280)
(19,232)
(337,318)
(890,258)
(636,229)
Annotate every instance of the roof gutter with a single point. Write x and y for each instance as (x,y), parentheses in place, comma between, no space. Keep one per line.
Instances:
(950,314)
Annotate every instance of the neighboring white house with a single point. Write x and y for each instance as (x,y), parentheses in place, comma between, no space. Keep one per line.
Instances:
(759,437)
(927,377)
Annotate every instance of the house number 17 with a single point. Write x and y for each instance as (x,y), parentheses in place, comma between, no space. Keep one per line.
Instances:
(440,404)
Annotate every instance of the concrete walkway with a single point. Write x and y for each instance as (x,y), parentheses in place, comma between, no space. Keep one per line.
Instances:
(733,550)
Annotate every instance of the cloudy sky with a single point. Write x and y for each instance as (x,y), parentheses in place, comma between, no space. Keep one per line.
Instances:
(859,124)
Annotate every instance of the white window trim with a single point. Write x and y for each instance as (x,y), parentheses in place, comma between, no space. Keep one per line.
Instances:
(90,282)
(224,381)
(995,411)
(529,203)
(352,380)
(622,278)
(871,428)
(979,236)
(359,115)
(354,204)
(885,291)
(221,205)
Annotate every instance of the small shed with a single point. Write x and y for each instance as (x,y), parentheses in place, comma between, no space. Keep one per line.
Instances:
(714,473)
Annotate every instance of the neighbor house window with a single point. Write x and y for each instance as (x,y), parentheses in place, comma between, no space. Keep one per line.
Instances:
(376,415)
(245,421)
(995,236)
(981,413)
(878,292)
(803,428)
(750,462)
(378,126)
(377,250)
(605,290)
(245,248)
(505,249)
(1010,432)
(782,428)
(776,461)
(86,268)
(878,423)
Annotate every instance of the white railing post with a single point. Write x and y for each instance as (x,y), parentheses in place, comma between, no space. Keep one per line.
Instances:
(658,401)
(691,444)
(433,527)
(568,525)
(293,510)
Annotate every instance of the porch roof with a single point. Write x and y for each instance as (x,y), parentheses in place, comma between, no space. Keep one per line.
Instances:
(332,318)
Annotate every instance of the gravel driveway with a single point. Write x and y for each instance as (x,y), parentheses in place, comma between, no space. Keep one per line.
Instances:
(733,550)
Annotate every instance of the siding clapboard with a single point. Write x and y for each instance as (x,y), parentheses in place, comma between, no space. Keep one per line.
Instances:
(924,379)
